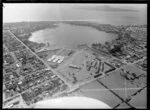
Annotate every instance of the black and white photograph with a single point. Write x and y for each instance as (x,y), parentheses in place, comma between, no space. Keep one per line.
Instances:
(74,55)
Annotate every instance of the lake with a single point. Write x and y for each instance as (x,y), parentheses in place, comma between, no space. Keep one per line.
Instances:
(71,35)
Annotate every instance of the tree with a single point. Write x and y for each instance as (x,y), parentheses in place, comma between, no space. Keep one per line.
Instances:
(99,44)
(106,43)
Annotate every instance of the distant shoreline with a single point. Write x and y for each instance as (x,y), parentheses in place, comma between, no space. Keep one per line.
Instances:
(53,24)
(57,24)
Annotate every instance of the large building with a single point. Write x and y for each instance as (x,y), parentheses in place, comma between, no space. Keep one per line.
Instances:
(56,59)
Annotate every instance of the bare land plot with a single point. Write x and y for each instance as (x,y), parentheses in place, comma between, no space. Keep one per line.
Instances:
(97,91)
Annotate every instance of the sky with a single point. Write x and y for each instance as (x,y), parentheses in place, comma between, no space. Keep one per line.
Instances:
(52,11)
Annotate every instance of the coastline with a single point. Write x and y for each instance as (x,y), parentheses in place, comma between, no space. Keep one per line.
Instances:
(116,30)
(57,24)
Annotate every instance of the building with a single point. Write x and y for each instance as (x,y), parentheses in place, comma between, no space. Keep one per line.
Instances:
(74,66)
(60,61)
(54,56)
(56,59)
(18,65)
(61,58)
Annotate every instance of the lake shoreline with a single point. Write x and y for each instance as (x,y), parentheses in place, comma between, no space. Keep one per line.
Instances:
(88,26)
(30,27)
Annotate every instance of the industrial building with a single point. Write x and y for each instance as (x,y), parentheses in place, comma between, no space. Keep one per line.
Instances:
(56,59)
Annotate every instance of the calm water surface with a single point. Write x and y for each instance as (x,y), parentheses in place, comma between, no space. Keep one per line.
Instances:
(71,35)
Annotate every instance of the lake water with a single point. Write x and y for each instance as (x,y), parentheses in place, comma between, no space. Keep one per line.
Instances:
(113,18)
(71,35)
(104,17)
